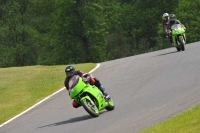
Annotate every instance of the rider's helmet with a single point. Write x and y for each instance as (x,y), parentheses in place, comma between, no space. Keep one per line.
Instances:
(69,70)
(172,17)
(166,16)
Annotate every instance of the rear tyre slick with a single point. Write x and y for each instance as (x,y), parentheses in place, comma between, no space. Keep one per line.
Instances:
(110,106)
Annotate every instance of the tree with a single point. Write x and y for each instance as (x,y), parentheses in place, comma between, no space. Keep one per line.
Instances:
(187,12)
(20,36)
(80,34)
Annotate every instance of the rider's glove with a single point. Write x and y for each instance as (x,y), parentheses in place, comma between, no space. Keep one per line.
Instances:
(85,79)
(86,75)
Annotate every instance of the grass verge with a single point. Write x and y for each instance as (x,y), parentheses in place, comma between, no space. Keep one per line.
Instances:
(21,87)
(185,122)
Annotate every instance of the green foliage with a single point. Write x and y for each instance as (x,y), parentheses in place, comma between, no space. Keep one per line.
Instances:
(18,36)
(80,32)
(188,14)
(74,31)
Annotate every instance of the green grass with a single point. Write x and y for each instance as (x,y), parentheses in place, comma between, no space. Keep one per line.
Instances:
(21,87)
(185,122)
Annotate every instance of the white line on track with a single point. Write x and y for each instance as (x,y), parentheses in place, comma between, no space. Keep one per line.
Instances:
(97,66)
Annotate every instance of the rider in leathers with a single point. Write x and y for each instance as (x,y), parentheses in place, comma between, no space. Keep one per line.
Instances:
(70,71)
(172,21)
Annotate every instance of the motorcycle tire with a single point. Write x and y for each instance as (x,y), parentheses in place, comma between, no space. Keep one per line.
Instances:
(182,44)
(178,48)
(93,113)
(110,106)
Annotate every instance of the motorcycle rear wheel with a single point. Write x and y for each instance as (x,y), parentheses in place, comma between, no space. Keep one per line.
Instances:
(110,106)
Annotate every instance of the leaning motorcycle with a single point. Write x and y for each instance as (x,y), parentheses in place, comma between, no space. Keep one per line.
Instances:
(178,36)
(89,96)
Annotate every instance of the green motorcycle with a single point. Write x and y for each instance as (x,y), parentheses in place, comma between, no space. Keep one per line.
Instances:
(89,96)
(178,36)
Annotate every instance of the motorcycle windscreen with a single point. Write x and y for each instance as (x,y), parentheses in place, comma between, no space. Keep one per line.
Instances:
(76,85)
(176,26)
(177,29)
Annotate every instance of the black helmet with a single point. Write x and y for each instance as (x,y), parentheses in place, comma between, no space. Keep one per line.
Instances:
(69,70)
(172,17)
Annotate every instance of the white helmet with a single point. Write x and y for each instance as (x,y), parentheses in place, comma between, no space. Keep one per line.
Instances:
(165,15)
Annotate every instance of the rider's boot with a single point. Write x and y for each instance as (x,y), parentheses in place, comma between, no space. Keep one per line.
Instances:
(105,93)
(75,104)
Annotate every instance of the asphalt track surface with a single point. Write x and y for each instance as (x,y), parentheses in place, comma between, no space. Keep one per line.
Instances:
(146,89)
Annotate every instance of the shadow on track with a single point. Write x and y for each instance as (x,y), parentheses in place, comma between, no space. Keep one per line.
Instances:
(71,120)
(168,53)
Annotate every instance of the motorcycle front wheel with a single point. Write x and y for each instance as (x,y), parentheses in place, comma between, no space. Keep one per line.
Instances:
(182,43)
(178,48)
(90,107)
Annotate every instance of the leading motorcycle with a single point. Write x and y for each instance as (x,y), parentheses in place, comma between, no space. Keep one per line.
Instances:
(178,36)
